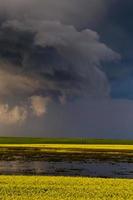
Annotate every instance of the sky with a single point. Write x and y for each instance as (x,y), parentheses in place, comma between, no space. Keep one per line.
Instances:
(66,68)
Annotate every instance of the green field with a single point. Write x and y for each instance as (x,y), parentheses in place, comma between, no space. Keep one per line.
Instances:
(64,188)
(28,140)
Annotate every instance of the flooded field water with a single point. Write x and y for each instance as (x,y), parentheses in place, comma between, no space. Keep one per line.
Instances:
(89,168)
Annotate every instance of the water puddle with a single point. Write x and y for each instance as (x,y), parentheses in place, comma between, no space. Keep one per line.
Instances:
(89,168)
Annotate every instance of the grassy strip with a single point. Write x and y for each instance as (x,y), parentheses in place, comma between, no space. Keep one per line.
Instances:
(64,188)
(28,140)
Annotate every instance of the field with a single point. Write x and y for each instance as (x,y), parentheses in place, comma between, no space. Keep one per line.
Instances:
(59,187)
(62,152)
(57,149)
(28,140)
(64,188)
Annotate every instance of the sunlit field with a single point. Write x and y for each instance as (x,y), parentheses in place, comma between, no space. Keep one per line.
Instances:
(64,188)
(72,147)
(67,145)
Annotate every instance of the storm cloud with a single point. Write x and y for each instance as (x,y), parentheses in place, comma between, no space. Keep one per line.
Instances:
(47,55)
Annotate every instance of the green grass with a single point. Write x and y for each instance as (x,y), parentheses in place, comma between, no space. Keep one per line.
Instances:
(64,188)
(28,140)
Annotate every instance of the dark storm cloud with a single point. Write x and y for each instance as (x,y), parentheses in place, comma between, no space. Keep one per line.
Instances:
(47,56)
(14,44)
(55,53)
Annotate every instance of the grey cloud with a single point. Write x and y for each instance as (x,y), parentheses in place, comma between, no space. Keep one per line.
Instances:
(76,12)
(51,59)
(46,55)
(13,83)
(49,53)
(75,55)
